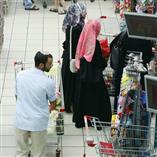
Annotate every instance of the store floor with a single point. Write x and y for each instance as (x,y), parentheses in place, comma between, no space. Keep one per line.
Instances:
(25,33)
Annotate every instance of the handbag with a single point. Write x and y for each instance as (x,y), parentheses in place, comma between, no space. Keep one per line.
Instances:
(72,65)
(116,48)
(115,57)
(51,129)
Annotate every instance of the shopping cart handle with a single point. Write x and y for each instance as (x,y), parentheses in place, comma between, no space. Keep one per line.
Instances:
(90,142)
(59,61)
(88,117)
(17,63)
(103,17)
(62,110)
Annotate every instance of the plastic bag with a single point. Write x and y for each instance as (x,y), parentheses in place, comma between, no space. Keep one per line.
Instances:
(51,129)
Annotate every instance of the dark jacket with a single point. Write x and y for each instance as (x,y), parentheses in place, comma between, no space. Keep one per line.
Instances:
(131,44)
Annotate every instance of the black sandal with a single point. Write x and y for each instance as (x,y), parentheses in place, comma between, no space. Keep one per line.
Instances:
(62,12)
(54,10)
(34,7)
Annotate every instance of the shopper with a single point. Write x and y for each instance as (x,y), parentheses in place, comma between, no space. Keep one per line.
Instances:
(92,95)
(33,91)
(59,7)
(28,4)
(127,45)
(74,19)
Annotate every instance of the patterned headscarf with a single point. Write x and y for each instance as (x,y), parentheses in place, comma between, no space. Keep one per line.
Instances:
(87,41)
(74,15)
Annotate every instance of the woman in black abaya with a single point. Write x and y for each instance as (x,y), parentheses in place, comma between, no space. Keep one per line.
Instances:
(74,18)
(91,93)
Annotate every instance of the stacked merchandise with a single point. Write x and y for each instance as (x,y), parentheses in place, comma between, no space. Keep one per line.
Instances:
(1,24)
(125,6)
(146,6)
(116,4)
(139,6)
(132,100)
(132,119)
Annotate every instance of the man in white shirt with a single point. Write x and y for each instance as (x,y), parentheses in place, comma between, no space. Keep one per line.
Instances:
(33,91)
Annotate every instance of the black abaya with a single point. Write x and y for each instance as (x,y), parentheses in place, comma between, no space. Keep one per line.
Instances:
(68,78)
(91,93)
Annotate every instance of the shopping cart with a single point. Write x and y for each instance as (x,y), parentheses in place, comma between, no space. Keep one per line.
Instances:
(55,73)
(111,139)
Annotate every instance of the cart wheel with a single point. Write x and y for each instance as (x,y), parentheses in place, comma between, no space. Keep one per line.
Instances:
(58,152)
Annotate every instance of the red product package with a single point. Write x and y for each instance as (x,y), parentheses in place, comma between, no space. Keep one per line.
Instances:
(105,47)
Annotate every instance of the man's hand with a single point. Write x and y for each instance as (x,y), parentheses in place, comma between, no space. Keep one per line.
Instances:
(52,106)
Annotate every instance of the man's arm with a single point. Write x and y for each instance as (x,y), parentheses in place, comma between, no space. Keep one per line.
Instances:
(51,95)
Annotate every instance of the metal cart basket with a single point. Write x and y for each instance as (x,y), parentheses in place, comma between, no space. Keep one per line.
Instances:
(110,139)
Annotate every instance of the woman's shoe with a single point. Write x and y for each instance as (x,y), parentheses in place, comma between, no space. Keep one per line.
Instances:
(62,12)
(34,7)
(53,10)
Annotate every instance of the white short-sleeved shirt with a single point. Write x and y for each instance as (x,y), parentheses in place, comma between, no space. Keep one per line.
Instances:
(33,90)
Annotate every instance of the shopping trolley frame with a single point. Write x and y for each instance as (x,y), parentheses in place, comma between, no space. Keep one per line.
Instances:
(128,141)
